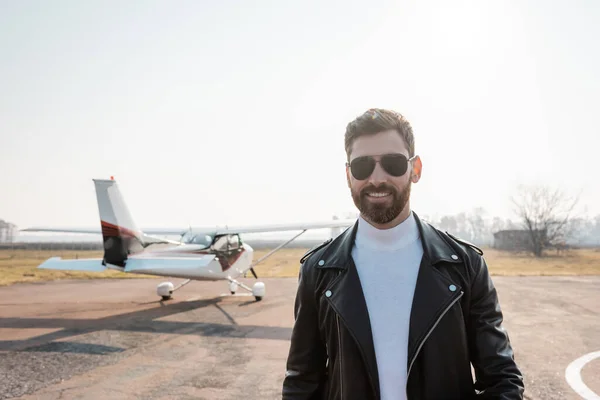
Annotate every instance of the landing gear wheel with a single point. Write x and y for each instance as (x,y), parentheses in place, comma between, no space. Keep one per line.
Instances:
(165,290)
(258,291)
(233,287)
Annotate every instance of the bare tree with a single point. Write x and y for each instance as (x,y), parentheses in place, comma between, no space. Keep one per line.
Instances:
(544,212)
(478,226)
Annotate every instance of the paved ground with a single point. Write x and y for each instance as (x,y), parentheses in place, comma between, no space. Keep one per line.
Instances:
(113,339)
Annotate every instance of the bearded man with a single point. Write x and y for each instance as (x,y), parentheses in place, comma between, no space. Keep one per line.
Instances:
(394,308)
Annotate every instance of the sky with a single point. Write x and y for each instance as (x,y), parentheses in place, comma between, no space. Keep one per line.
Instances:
(231,112)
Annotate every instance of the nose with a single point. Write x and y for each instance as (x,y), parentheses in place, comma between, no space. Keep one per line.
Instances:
(378,176)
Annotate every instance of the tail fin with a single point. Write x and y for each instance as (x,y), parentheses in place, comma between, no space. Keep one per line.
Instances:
(120,234)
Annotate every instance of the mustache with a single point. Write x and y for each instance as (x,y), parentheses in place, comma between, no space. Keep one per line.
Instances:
(381,188)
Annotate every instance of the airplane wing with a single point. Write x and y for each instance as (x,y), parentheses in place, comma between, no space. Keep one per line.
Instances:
(335,223)
(150,231)
(62,230)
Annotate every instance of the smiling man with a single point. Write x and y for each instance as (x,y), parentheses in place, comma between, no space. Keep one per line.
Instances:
(393,308)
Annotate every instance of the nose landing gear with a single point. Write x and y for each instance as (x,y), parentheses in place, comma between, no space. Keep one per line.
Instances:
(258,290)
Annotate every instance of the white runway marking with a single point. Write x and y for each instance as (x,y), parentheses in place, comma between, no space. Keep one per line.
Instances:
(573,376)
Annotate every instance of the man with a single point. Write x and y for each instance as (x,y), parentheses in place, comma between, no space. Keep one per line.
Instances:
(393,308)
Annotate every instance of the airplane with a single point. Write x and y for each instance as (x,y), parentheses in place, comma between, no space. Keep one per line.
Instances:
(202,254)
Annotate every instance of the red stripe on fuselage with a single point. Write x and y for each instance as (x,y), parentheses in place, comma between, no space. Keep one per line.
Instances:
(228,263)
(109,229)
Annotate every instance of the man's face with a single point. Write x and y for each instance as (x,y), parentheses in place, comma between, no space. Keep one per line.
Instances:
(381,197)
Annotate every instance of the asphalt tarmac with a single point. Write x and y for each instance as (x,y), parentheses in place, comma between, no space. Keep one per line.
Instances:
(114,339)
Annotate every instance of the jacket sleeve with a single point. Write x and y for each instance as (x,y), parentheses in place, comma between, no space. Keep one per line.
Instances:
(306,363)
(497,375)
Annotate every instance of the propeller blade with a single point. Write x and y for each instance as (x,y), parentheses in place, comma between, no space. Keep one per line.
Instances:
(253,273)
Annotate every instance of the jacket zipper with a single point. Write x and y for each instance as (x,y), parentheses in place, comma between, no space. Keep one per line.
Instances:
(429,332)
(340,353)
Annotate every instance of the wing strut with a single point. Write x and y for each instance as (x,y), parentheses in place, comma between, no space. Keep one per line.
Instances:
(269,254)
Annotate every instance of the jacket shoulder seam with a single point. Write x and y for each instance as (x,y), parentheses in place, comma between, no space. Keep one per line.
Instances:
(314,250)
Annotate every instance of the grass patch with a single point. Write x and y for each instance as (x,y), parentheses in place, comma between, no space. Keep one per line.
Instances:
(500,263)
(18,266)
(571,262)
(21,265)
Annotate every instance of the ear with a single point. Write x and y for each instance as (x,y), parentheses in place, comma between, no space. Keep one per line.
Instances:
(417,168)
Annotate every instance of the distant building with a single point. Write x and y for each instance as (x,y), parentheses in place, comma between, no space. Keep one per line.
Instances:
(7,232)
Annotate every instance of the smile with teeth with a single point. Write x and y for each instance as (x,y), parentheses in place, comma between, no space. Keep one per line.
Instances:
(378,194)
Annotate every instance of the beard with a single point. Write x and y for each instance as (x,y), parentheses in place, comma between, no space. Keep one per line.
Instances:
(381,213)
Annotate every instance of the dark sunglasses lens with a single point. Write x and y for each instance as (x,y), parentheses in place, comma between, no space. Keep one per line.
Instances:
(362,167)
(394,164)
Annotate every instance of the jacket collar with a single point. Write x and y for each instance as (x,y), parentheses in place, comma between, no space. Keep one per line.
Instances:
(435,249)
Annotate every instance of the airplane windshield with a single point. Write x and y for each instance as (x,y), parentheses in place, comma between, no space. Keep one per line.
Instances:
(203,239)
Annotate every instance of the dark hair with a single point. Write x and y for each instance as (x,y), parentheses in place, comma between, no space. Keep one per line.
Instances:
(376,120)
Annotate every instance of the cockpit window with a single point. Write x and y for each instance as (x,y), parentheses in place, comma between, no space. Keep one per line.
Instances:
(227,243)
(202,239)
(234,242)
(205,240)
(221,244)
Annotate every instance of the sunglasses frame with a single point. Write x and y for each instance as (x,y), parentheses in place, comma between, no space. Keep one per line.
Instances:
(408,161)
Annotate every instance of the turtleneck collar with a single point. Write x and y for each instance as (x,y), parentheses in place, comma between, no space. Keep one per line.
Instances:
(405,233)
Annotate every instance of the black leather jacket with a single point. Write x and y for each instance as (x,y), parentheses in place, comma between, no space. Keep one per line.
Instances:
(456,320)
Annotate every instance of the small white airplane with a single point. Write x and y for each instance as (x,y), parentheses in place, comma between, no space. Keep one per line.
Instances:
(210,254)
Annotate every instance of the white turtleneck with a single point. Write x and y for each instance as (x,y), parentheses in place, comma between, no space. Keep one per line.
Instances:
(388,264)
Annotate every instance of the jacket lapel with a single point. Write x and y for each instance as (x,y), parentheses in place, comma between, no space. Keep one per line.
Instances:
(434,292)
(345,295)
(350,305)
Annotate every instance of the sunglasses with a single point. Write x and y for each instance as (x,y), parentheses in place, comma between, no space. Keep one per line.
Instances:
(394,164)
